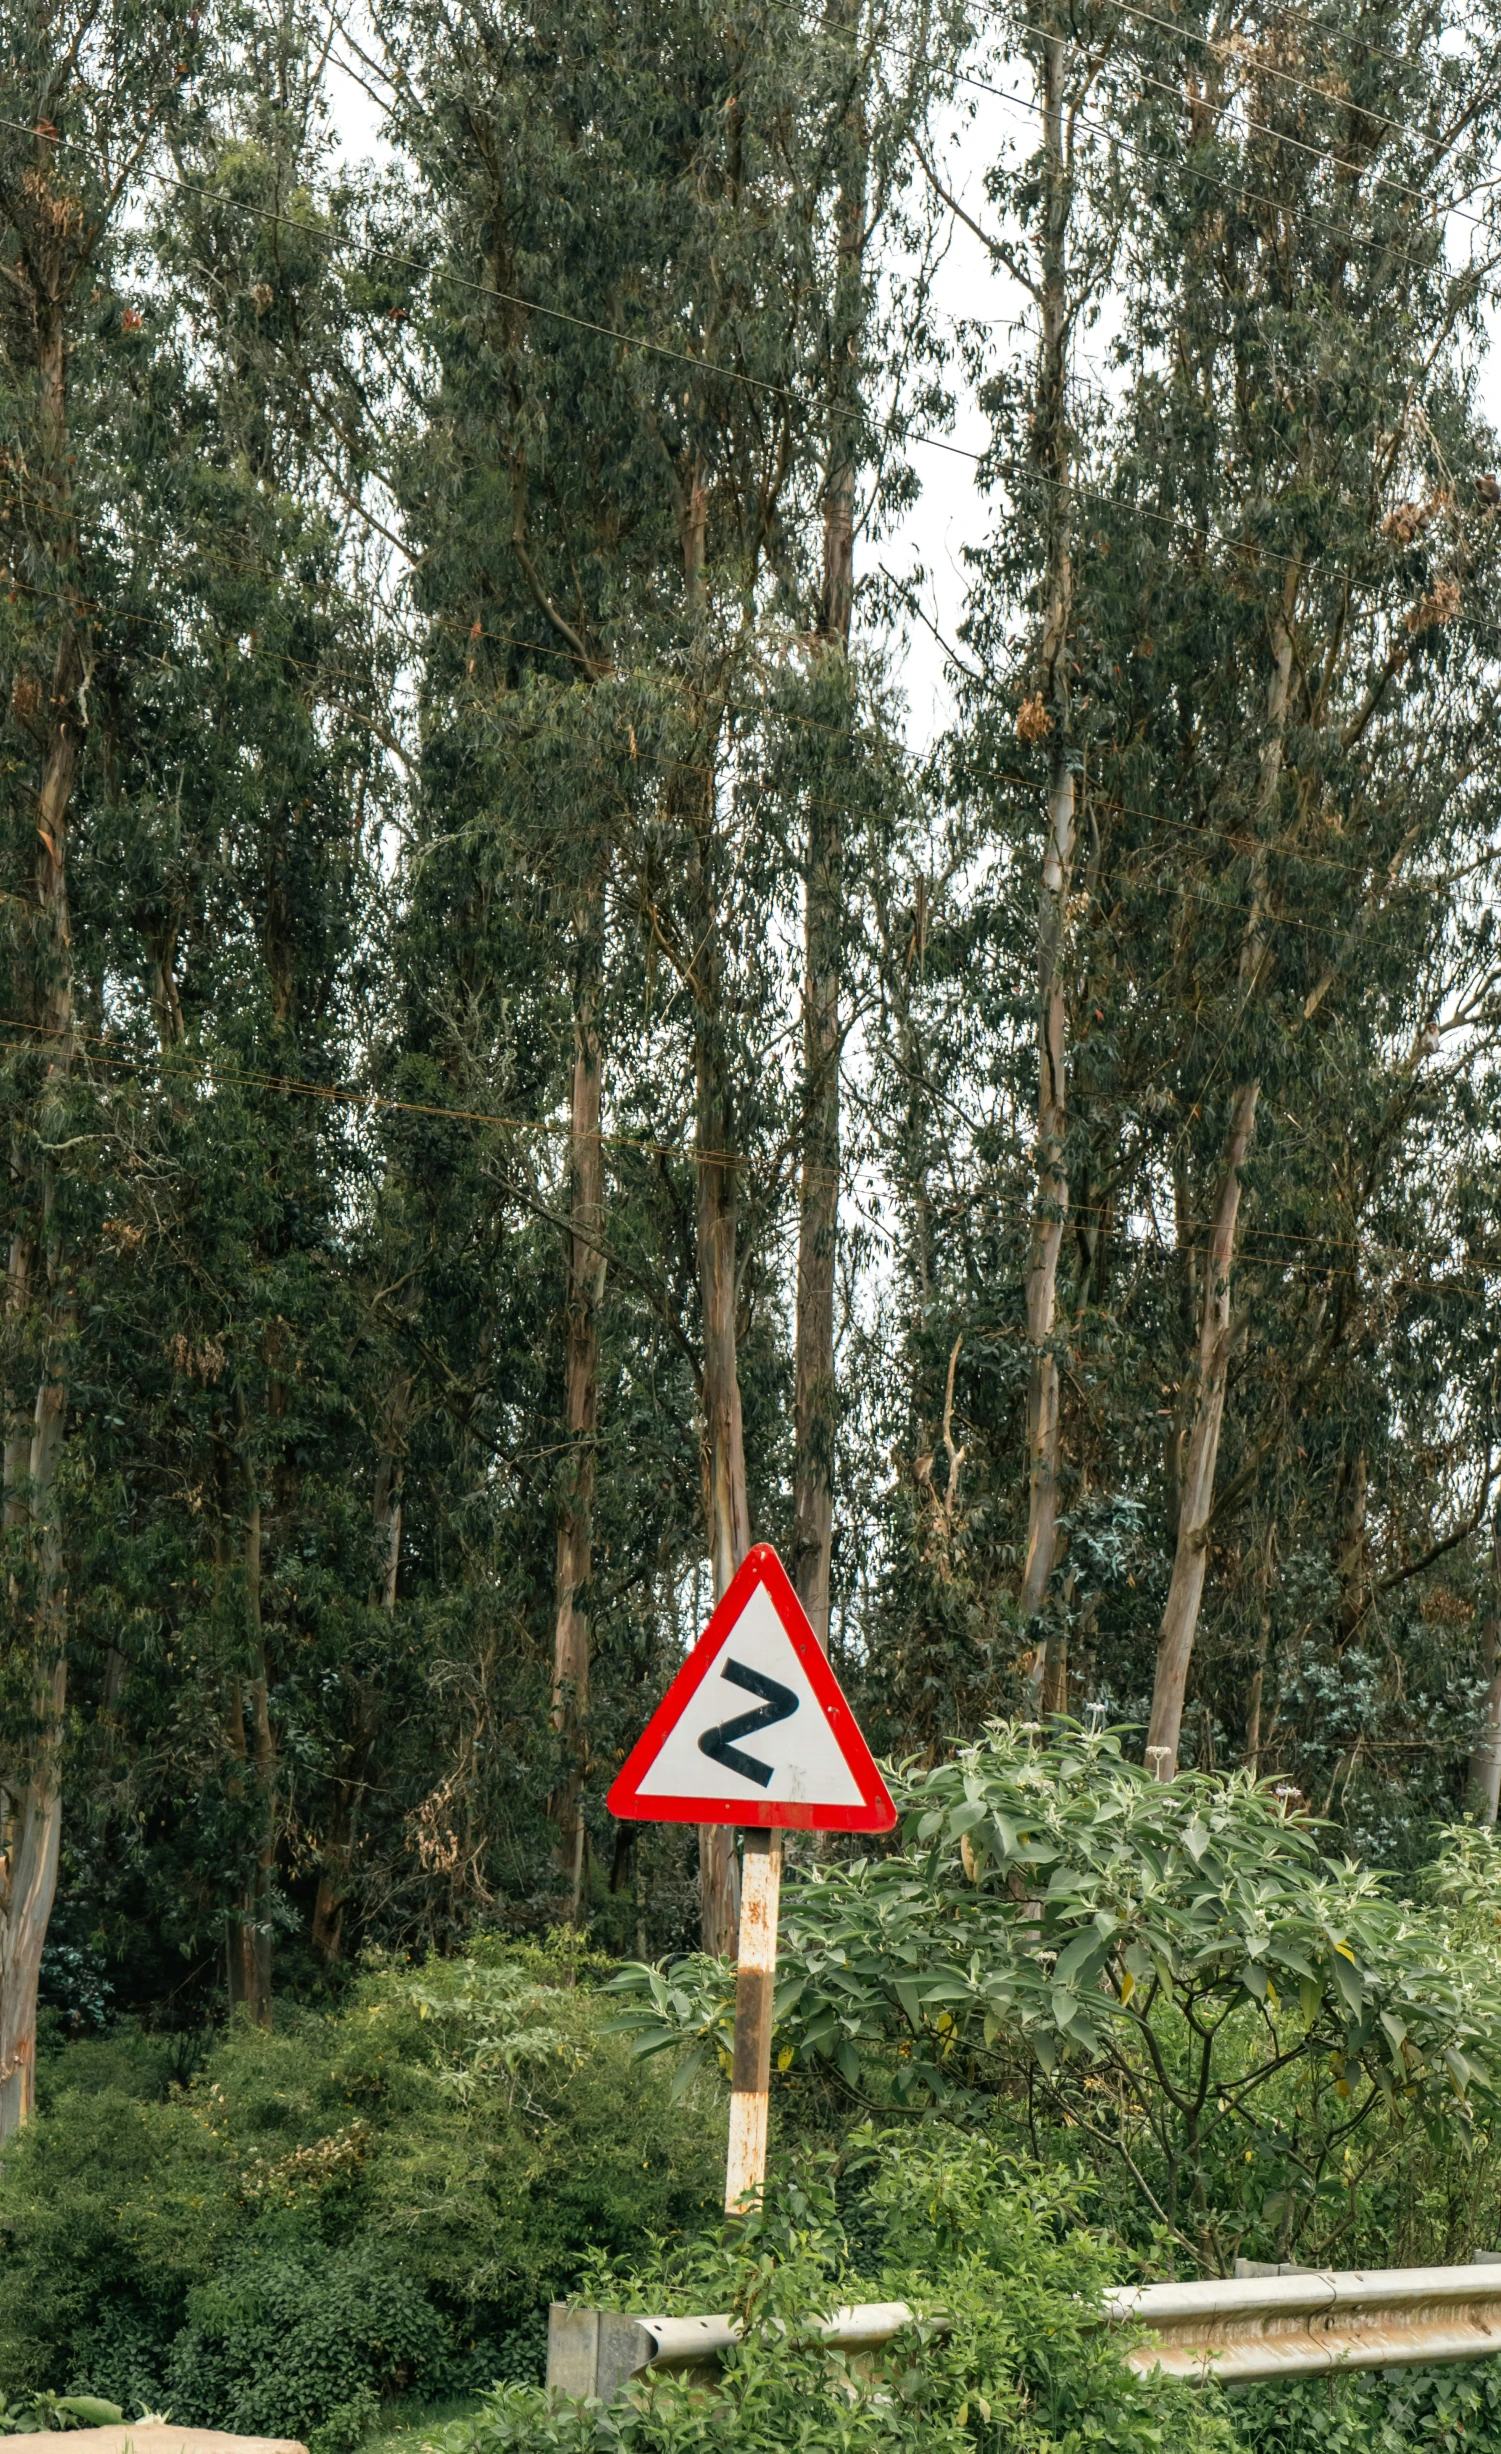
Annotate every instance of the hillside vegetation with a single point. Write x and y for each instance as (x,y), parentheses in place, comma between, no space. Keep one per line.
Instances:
(750,791)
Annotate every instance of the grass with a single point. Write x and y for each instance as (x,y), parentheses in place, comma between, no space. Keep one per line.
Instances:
(407,2422)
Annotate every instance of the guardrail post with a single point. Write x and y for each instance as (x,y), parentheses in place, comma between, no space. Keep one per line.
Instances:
(595,2351)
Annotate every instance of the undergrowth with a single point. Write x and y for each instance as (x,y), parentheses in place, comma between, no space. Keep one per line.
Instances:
(360,2206)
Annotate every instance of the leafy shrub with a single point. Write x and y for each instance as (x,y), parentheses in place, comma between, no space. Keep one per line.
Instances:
(1168,1971)
(1450,2410)
(382,2195)
(44,2411)
(1006,2354)
(75,1985)
(306,2347)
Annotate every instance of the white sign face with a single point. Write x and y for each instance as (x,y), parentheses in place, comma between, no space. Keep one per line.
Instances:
(753,1729)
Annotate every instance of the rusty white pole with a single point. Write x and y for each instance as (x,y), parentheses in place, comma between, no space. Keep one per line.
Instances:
(755,1989)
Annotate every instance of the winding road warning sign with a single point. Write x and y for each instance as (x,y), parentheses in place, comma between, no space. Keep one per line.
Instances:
(753,1730)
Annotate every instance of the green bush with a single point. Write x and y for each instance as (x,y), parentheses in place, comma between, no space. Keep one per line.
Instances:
(363,2201)
(997,2250)
(1011,2256)
(1452,2410)
(305,2347)
(1268,2051)
(46,2411)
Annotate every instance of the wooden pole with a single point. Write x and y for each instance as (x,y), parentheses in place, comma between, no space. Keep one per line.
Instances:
(755,1990)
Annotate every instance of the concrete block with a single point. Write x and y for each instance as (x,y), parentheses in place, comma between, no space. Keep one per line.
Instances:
(593,2351)
(625,2347)
(572,2348)
(136,2437)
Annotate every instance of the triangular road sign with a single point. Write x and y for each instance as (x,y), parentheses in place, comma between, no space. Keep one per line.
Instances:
(753,1729)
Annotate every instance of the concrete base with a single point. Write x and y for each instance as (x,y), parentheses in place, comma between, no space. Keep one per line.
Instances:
(134,2438)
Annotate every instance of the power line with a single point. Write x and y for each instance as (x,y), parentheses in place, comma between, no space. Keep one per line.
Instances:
(1184,168)
(356,1097)
(890,429)
(560,315)
(1327,25)
(1332,161)
(1282,76)
(338,1094)
(1191,34)
(1185,34)
(764,712)
(1279,16)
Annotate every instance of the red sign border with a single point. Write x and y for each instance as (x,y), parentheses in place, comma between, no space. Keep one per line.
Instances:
(875,1813)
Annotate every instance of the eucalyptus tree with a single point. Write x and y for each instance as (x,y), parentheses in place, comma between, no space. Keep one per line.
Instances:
(88,96)
(647,320)
(880,86)
(534,495)
(1057,206)
(214,1536)
(1318,603)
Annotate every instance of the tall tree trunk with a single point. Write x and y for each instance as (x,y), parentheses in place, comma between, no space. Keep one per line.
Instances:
(1050,708)
(1352,1551)
(724,1438)
(20,1402)
(726,1510)
(1257,1691)
(815,1407)
(816,1392)
(1485,1763)
(256,1930)
(1180,1617)
(326,1931)
(31,1807)
(30,1830)
(30,1824)
(726,1506)
(586,1279)
(235,1962)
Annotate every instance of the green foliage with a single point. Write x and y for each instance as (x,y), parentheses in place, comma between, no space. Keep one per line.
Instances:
(1169,1969)
(998,2261)
(1454,2410)
(51,2411)
(361,2203)
(306,2347)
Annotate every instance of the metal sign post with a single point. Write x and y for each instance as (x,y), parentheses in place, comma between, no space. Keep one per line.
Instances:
(794,1760)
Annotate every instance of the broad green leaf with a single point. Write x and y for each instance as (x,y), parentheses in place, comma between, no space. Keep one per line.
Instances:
(1082,1958)
(687,2071)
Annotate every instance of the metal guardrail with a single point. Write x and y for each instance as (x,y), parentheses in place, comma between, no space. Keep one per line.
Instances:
(1304,2325)
(1298,2324)
(598,2351)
